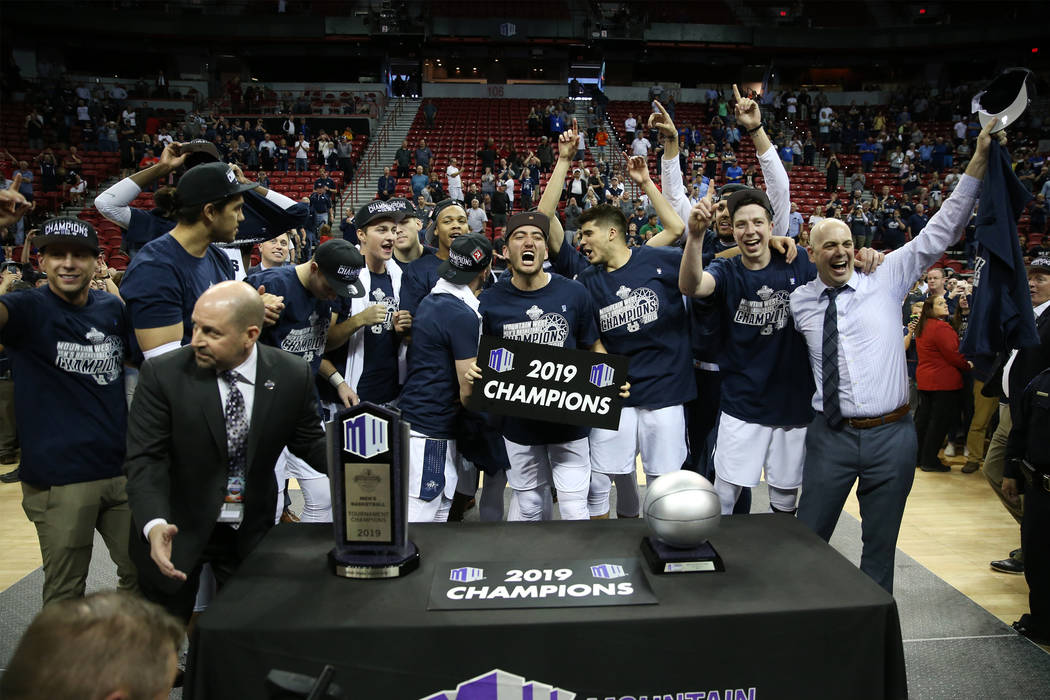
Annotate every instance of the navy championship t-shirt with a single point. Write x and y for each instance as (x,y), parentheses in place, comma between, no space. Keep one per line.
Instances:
(303,325)
(560,314)
(163,283)
(761,352)
(379,380)
(146,225)
(70,391)
(443,331)
(641,314)
(419,278)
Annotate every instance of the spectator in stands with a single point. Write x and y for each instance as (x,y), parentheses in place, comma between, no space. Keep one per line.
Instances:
(325,181)
(939,379)
(434,190)
(25,188)
(501,205)
(534,122)
(77,190)
(326,151)
(302,154)
(418,181)
(321,204)
(455,181)
(601,141)
(34,126)
(267,150)
(1037,214)
(917,222)
(630,125)
(430,113)
(476,217)
(795,222)
(387,185)
(423,155)
(403,159)
(733,173)
(831,170)
(108,645)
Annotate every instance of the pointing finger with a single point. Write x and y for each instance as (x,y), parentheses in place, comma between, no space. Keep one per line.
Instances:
(736,92)
(661,108)
(574,127)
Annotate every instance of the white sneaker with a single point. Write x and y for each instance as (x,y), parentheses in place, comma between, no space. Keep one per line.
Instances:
(949,451)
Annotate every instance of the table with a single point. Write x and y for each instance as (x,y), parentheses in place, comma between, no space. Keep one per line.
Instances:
(789,618)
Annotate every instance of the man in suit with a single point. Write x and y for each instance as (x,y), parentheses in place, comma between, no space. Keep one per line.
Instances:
(207,424)
(386,186)
(1016,370)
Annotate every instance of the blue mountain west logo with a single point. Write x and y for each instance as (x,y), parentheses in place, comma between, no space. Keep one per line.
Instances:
(501,360)
(500,685)
(466,574)
(365,435)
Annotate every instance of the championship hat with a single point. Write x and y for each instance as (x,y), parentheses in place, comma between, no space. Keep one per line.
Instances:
(378,210)
(198,152)
(1006,97)
(209,183)
(66,229)
(1041,263)
(340,262)
(467,256)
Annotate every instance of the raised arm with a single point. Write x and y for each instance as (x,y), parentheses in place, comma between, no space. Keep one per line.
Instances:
(638,171)
(567,143)
(692,280)
(113,203)
(749,118)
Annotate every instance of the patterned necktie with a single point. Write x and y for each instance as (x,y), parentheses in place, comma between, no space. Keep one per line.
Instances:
(236,429)
(830,362)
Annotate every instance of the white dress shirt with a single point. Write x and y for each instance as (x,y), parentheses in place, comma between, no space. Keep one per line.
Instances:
(873,376)
(247,370)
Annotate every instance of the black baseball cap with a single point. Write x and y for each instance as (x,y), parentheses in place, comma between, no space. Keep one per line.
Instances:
(209,182)
(1041,263)
(340,262)
(198,152)
(377,210)
(747,196)
(406,208)
(66,229)
(529,218)
(467,256)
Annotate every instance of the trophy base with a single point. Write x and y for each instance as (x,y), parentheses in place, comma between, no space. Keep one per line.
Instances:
(375,566)
(665,559)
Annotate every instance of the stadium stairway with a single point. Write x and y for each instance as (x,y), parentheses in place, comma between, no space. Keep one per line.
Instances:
(381,149)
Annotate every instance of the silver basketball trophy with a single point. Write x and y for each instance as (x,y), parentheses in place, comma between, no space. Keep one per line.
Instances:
(368,471)
(682,511)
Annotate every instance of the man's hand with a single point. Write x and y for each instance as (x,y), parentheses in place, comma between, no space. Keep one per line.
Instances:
(637,168)
(13,206)
(868,259)
(1010,491)
(474,372)
(784,245)
(661,121)
(568,142)
(172,157)
(160,539)
(347,395)
(239,174)
(748,115)
(374,314)
(403,321)
(979,161)
(625,390)
(274,306)
(703,213)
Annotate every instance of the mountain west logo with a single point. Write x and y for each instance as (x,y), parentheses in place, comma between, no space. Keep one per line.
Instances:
(771,311)
(500,685)
(368,480)
(541,328)
(391,308)
(365,435)
(636,308)
(101,358)
(466,574)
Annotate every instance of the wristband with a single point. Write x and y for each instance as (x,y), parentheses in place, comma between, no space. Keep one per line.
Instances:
(751,131)
(335,379)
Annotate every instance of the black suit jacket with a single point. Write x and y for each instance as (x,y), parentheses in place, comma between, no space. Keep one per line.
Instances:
(176,459)
(1030,361)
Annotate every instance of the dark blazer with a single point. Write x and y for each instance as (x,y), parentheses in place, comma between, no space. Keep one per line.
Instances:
(176,458)
(1030,361)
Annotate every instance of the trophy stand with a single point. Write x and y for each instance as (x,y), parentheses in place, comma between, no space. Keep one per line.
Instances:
(368,468)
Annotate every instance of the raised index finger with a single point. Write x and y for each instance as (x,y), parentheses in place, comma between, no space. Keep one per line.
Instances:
(661,108)
(736,92)
(574,127)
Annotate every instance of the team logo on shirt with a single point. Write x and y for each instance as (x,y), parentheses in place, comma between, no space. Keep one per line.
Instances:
(100,359)
(636,308)
(541,328)
(391,308)
(308,342)
(771,311)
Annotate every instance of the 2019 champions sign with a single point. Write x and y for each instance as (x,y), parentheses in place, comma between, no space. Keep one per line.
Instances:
(543,382)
